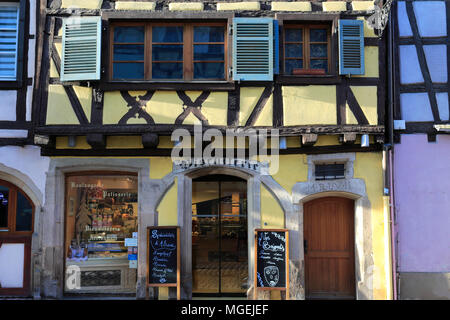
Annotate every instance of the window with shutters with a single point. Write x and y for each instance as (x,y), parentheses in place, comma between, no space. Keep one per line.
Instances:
(307,49)
(9,40)
(168,51)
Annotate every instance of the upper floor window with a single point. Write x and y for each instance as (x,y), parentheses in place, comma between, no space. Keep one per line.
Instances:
(168,51)
(9,34)
(307,49)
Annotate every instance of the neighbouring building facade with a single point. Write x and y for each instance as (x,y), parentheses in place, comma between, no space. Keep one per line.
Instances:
(116,79)
(22,168)
(421,152)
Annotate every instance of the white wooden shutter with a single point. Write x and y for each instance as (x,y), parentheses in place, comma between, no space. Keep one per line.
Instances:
(81,48)
(253,49)
(9,34)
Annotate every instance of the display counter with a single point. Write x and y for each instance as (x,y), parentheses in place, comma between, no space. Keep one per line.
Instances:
(105,275)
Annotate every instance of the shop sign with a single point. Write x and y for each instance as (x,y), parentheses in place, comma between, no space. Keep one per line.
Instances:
(188,164)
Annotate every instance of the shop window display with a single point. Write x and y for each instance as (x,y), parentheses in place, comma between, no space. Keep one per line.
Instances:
(101,212)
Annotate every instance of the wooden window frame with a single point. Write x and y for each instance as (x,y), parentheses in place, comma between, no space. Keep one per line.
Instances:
(306,27)
(111,17)
(18,238)
(330,20)
(12,208)
(67,175)
(188,50)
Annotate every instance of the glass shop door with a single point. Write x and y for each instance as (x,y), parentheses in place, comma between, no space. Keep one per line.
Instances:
(219,236)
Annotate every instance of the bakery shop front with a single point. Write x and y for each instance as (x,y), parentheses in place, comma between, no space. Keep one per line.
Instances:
(101,218)
(92,226)
(98,210)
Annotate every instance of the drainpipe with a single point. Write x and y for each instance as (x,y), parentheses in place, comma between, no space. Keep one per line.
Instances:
(391,82)
(393,230)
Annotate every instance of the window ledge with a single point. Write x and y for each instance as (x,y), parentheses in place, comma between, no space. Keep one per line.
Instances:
(308,79)
(161,85)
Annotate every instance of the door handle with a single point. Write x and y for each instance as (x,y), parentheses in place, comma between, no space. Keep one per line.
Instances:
(305,246)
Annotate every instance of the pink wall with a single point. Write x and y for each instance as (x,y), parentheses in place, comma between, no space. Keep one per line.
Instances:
(422,201)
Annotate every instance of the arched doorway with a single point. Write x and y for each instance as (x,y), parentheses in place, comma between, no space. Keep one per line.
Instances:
(329,248)
(219,236)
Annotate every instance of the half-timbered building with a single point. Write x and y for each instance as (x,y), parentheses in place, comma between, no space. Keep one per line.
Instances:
(421,151)
(118,78)
(22,168)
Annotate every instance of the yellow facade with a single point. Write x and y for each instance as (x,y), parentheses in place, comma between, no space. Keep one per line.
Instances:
(309,105)
(294,169)
(167,208)
(368,167)
(303,105)
(272,215)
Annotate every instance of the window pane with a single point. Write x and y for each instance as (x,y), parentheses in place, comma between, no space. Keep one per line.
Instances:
(209,52)
(294,51)
(101,212)
(209,34)
(167,70)
(167,52)
(294,34)
(319,64)
(130,52)
(318,35)
(293,64)
(319,51)
(167,34)
(24,213)
(209,70)
(129,34)
(133,70)
(4,197)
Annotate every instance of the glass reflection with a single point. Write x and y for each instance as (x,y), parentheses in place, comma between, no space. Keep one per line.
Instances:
(24,213)
(219,236)
(4,196)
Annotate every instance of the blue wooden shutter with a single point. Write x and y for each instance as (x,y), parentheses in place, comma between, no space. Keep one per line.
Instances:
(351,47)
(252,49)
(276,48)
(81,49)
(9,33)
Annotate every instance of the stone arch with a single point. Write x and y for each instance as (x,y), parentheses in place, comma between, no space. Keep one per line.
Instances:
(23,182)
(354,189)
(27,185)
(254,179)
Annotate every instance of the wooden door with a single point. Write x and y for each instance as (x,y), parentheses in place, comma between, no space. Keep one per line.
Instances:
(16,229)
(329,248)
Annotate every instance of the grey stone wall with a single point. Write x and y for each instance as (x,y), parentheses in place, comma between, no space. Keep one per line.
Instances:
(424,286)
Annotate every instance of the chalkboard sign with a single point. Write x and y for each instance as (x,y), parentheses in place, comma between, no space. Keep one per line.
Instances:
(163,265)
(272,259)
